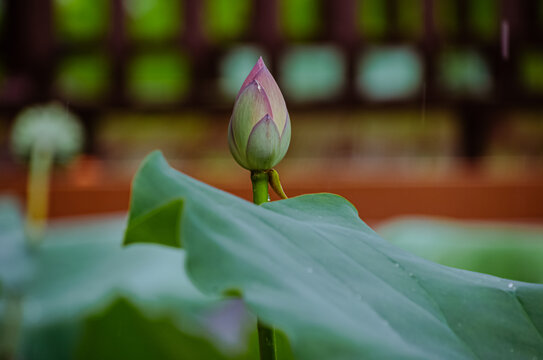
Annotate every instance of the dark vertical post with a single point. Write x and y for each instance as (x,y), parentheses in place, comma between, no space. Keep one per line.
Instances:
(117,48)
(198,49)
(265,21)
(12,35)
(474,114)
(475,129)
(13,53)
(464,29)
(192,30)
(506,87)
(429,50)
(265,24)
(341,16)
(531,19)
(40,46)
(29,50)
(392,20)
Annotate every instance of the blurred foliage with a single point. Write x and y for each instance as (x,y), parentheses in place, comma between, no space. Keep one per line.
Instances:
(82,296)
(193,140)
(81,20)
(446,15)
(483,18)
(83,78)
(312,73)
(371,16)
(105,336)
(132,135)
(410,18)
(531,71)
(389,73)
(227,19)
(159,77)
(464,73)
(508,251)
(300,19)
(165,77)
(402,134)
(518,134)
(153,20)
(375,134)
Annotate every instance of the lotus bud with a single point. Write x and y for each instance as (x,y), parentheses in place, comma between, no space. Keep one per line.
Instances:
(259,129)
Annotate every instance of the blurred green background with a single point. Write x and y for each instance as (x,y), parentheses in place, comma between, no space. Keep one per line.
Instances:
(478,62)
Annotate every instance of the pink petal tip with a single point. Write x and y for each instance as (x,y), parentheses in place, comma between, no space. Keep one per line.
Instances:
(254,71)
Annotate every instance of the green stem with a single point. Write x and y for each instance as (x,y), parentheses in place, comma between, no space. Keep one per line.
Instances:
(260,186)
(41,160)
(266,335)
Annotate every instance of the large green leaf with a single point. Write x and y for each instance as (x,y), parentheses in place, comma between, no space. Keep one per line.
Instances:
(511,251)
(312,268)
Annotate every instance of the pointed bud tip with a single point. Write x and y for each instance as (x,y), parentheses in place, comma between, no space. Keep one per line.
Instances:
(258,66)
(253,73)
